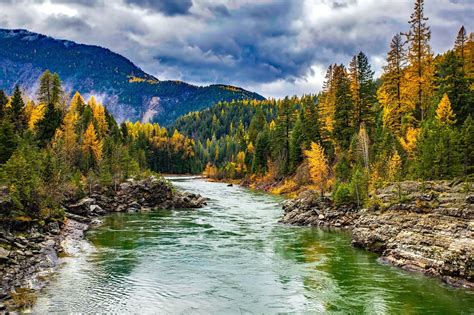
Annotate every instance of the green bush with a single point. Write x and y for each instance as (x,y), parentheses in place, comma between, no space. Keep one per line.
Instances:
(342,194)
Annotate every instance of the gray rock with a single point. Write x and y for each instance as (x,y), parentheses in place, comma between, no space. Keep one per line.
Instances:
(82,207)
(4,253)
(97,210)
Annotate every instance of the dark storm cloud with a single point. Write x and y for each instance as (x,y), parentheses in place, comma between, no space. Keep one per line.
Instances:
(71,23)
(168,7)
(274,46)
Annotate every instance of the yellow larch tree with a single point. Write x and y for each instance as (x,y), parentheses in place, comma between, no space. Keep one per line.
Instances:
(77,102)
(394,167)
(91,144)
(409,141)
(318,166)
(98,112)
(444,112)
(241,168)
(34,113)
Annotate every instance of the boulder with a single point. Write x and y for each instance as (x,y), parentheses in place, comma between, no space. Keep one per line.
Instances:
(82,207)
(4,253)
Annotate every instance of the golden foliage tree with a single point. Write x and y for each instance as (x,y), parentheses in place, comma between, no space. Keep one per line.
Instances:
(34,113)
(91,145)
(409,141)
(394,167)
(444,112)
(98,112)
(318,166)
(241,168)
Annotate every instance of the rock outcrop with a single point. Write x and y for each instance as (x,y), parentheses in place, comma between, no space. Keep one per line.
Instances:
(425,227)
(134,196)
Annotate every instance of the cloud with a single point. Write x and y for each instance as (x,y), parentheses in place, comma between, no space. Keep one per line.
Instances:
(272,47)
(168,7)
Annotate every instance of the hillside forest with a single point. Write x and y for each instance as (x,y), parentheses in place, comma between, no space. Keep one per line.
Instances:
(414,122)
(357,134)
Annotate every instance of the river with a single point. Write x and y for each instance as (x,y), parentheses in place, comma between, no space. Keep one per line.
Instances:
(233,257)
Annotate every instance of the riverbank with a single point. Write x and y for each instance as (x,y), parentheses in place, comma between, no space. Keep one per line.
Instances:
(30,255)
(424,227)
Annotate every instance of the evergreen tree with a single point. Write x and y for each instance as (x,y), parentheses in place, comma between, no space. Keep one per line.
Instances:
(45,93)
(311,124)
(262,151)
(297,141)
(467,146)
(460,45)
(8,140)
(390,92)
(451,80)
(281,138)
(256,124)
(16,111)
(3,103)
(46,127)
(343,127)
(420,59)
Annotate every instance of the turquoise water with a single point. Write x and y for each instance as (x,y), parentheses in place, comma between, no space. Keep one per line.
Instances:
(233,257)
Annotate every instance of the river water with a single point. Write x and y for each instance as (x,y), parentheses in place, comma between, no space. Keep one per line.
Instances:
(233,257)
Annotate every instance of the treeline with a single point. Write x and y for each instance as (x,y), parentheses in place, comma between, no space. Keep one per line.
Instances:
(415,122)
(56,147)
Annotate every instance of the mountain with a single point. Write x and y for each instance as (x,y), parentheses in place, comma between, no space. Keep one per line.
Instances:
(126,90)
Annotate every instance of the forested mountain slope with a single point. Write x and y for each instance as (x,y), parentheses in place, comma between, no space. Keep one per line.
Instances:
(126,90)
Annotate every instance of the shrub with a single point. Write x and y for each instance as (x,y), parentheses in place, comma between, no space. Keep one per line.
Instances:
(342,194)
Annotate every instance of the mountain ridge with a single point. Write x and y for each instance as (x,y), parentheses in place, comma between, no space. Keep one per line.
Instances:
(126,90)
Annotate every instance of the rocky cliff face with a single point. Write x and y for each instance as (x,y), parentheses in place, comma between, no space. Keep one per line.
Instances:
(29,255)
(425,227)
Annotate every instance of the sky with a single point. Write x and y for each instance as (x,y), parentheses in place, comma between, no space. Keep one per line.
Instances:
(275,48)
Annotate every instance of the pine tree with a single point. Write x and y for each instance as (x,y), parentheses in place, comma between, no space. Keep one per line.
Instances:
(281,135)
(451,80)
(16,111)
(262,151)
(45,88)
(297,141)
(3,103)
(50,90)
(57,92)
(311,123)
(343,127)
(467,146)
(390,92)
(8,140)
(328,103)
(363,89)
(256,124)
(460,45)
(420,71)
(46,127)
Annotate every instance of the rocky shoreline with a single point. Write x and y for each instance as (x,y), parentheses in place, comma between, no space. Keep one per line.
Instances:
(30,255)
(423,227)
